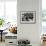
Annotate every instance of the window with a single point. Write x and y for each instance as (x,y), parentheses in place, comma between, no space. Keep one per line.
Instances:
(1,9)
(11,11)
(8,10)
(44,16)
(44,10)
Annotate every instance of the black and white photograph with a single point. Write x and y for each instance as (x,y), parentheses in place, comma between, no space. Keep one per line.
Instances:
(28,17)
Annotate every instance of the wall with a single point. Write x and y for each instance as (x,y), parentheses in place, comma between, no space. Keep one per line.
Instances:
(29,31)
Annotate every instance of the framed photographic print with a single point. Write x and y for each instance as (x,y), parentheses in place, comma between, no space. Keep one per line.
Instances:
(28,17)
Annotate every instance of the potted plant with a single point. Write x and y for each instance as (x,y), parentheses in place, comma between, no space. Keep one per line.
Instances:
(1,22)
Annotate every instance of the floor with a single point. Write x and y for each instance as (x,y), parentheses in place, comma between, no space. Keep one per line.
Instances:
(2,43)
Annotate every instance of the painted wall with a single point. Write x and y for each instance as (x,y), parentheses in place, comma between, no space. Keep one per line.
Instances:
(29,31)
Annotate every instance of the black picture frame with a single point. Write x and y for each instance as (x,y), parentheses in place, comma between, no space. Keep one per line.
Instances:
(27,17)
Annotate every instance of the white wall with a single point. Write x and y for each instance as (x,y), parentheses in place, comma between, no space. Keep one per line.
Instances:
(30,31)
